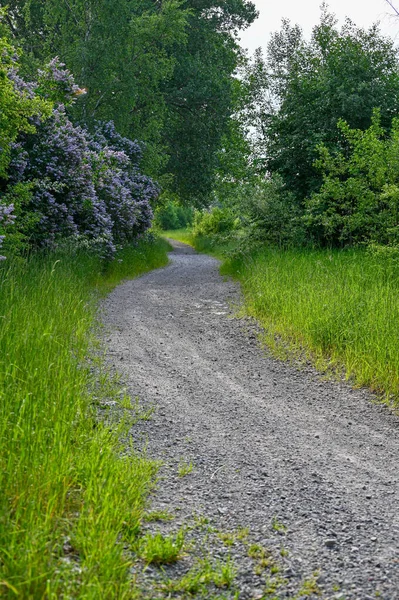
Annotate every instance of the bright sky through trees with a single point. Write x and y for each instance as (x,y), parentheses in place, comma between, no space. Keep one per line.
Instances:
(307,12)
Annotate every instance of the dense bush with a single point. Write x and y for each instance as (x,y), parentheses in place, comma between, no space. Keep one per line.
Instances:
(65,183)
(173,215)
(269,213)
(359,198)
(214,221)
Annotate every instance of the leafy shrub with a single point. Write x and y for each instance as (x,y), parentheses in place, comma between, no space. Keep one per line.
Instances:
(214,221)
(359,198)
(56,166)
(125,191)
(172,215)
(270,214)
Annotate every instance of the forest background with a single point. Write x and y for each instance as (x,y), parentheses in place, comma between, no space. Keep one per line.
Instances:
(298,145)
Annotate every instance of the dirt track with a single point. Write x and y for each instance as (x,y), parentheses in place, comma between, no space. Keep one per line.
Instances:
(268,442)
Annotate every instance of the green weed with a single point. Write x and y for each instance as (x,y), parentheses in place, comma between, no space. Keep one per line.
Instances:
(141,414)
(185,468)
(273,585)
(278,526)
(203,574)
(159,549)
(264,559)
(257,551)
(158,515)
(309,587)
(242,533)
(229,538)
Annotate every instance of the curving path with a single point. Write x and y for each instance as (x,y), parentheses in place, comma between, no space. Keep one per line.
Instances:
(269,443)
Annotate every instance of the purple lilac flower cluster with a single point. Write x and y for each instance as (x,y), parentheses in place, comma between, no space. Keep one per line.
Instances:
(6,218)
(57,83)
(84,187)
(25,88)
(126,193)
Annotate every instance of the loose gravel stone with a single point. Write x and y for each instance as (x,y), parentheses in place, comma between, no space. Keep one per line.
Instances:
(273,449)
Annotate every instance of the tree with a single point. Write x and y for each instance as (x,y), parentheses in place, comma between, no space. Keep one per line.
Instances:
(162,70)
(200,95)
(120,52)
(338,74)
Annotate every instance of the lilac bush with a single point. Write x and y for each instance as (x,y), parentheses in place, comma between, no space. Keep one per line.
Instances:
(86,188)
(6,218)
(56,83)
(56,162)
(126,193)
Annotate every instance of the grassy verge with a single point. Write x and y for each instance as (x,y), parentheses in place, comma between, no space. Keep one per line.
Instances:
(70,499)
(339,309)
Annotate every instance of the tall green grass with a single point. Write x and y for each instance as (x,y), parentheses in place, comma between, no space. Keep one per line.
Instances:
(340,308)
(71,496)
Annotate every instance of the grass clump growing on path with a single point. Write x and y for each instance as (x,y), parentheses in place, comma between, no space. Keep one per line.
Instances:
(185,468)
(203,574)
(71,499)
(161,549)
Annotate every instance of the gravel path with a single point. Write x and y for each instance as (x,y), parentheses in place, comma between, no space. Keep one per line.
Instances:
(270,445)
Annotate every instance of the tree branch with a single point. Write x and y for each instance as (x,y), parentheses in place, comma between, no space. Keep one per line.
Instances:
(396,11)
(71,11)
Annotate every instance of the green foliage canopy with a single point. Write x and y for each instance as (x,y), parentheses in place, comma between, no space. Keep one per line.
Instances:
(162,70)
(359,198)
(201,94)
(338,74)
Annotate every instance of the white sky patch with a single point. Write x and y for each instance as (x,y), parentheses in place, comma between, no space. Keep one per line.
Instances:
(307,14)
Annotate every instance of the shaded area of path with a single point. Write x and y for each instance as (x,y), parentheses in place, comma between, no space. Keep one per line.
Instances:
(267,442)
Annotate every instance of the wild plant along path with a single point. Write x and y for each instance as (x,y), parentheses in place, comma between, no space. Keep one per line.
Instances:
(268,443)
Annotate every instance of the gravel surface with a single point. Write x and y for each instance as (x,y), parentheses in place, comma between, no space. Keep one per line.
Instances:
(307,465)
